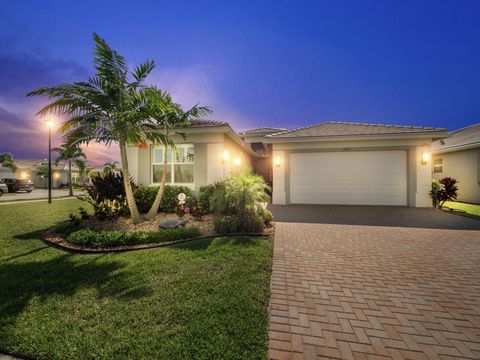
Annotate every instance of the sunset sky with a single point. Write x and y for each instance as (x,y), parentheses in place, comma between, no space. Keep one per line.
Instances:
(255,63)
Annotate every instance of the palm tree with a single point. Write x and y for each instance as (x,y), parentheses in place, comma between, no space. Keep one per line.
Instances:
(69,153)
(167,116)
(110,167)
(105,108)
(81,164)
(6,160)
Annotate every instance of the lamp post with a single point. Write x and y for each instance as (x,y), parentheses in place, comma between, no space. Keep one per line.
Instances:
(49,125)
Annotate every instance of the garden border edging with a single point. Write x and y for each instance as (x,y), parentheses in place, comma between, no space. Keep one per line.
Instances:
(59,242)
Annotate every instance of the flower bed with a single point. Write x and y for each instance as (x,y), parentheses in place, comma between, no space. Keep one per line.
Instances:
(87,238)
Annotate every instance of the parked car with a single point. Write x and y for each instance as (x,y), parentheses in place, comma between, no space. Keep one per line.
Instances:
(15,185)
(3,188)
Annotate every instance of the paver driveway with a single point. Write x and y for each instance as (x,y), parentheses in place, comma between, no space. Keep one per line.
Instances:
(374,283)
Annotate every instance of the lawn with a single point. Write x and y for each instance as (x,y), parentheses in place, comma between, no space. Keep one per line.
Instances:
(469,208)
(206,299)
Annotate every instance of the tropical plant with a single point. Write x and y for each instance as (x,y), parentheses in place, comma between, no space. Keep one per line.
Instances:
(240,193)
(448,191)
(82,167)
(110,167)
(6,160)
(43,172)
(168,116)
(71,154)
(106,194)
(106,108)
(433,193)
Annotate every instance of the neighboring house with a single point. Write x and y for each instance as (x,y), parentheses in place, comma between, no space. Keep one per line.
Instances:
(27,169)
(328,163)
(459,157)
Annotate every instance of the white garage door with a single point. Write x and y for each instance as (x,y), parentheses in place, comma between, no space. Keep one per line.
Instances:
(349,178)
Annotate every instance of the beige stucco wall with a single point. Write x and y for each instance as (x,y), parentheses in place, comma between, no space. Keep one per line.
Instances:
(236,151)
(463,166)
(418,174)
(209,165)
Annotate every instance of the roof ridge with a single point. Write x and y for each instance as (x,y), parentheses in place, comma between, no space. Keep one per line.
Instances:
(375,124)
(464,128)
(355,124)
(261,128)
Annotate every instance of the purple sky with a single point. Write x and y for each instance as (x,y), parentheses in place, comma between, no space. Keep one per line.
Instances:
(262,63)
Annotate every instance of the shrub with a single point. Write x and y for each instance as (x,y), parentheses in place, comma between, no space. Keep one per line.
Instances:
(249,222)
(83,213)
(205,194)
(240,193)
(226,224)
(106,194)
(266,215)
(145,196)
(108,186)
(87,238)
(433,193)
(448,191)
(109,209)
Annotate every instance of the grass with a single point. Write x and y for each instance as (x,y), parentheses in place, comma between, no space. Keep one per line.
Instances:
(206,299)
(471,209)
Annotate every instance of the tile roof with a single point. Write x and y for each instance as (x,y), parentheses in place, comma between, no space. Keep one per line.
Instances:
(262,130)
(466,137)
(335,128)
(205,123)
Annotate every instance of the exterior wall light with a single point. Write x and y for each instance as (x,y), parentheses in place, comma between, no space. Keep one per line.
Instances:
(425,157)
(225,156)
(237,161)
(23,175)
(56,175)
(278,162)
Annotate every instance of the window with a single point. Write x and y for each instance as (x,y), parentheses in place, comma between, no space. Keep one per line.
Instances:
(437,165)
(180,164)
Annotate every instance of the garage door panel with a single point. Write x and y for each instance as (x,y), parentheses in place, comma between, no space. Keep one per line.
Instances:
(357,178)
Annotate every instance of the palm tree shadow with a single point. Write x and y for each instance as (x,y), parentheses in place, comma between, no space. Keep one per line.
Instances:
(62,276)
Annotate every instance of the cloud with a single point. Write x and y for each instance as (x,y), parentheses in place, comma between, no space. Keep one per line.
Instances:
(23,134)
(198,85)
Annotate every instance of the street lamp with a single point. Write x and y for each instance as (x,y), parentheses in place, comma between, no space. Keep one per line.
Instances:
(49,123)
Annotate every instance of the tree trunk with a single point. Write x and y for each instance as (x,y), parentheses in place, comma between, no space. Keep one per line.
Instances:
(158,199)
(70,185)
(132,205)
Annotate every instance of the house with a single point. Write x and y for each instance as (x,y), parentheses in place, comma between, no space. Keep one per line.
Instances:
(210,151)
(27,169)
(458,157)
(327,163)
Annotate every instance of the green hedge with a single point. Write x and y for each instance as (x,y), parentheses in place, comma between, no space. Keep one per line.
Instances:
(87,238)
(246,223)
(145,196)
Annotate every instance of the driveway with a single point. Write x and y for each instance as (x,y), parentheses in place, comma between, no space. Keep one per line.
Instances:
(356,282)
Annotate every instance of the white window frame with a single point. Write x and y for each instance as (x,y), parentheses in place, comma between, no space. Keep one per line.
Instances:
(436,166)
(172,164)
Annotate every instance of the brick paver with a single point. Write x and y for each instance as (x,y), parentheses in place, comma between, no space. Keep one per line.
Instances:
(369,291)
